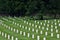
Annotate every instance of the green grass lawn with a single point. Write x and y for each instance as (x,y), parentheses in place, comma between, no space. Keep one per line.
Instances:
(20,22)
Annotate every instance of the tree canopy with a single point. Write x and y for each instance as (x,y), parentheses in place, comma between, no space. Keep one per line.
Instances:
(29,7)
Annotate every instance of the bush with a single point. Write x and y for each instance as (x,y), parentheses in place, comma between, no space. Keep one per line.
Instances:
(38,17)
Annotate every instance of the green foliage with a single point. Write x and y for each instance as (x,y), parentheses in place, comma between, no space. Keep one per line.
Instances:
(29,7)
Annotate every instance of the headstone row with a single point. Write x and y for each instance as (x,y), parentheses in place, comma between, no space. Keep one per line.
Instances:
(8,36)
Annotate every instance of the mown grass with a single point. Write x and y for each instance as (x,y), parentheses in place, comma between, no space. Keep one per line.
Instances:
(20,21)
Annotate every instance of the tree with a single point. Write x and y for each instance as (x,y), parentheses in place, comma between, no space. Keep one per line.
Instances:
(29,7)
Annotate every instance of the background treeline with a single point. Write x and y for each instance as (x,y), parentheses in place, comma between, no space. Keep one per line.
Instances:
(32,8)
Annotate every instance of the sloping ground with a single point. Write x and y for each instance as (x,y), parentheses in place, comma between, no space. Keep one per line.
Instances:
(20,29)
(2,38)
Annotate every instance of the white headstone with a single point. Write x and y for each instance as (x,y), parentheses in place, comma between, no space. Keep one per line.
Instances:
(39,27)
(24,33)
(28,34)
(26,27)
(13,22)
(58,21)
(2,24)
(56,30)
(46,33)
(47,29)
(55,27)
(29,28)
(36,30)
(58,35)
(45,21)
(17,31)
(35,26)
(16,39)
(47,25)
(33,36)
(44,38)
(41,23)
(27,22)
(32,29)
(38,22)
(42,28)
(5,25)
(51,34)
(44,24)
(30,24)
(21,32)
(14,29)
(20,26)
(2,34)
(24,21)
(11,29)
(35,21)
(59,24)
(41,32)
(55,20)
(55,23)
(17,24)
(8,36)
(48,21)
(12,38)
(51,30)
(38,37)
(5,35)
(51,26)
